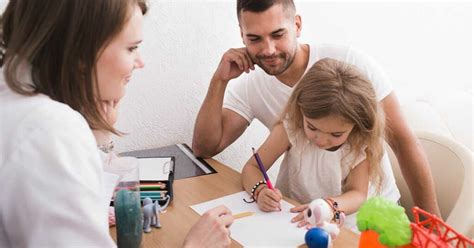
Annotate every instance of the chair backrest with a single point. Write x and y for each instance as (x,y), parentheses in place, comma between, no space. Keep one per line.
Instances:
(452,169)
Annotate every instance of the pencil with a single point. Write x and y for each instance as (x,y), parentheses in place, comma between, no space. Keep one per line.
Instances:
(262,169)
(243,214)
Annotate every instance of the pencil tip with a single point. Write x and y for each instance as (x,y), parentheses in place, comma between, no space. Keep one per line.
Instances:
(253,150)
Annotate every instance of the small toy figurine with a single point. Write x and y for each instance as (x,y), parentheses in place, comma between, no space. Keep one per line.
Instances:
(151,213)
(317,238)
(319,214)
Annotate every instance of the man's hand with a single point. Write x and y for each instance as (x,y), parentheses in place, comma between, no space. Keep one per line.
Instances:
(233,63)
(216,128)
(211,230)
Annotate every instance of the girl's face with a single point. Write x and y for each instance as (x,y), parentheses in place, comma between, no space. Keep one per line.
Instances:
(329,132)
(119,58)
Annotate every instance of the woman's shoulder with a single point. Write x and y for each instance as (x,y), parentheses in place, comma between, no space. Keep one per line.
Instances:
(28,118)
(42,112)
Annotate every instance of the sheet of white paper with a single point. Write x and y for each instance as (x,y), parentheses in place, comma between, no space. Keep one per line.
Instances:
(153,169)
(262,229)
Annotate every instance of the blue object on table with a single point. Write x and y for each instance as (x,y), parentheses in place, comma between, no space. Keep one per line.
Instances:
(317,238)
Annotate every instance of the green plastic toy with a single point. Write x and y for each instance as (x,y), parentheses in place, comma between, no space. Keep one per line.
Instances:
(387,219)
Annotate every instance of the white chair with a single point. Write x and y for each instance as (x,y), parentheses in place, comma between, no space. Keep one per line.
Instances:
(452,169)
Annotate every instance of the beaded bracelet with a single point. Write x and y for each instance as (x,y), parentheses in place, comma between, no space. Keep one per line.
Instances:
(256,192)
(252,192)
(338,214)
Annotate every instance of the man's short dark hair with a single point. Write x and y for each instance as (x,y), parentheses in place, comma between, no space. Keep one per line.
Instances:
(262,5)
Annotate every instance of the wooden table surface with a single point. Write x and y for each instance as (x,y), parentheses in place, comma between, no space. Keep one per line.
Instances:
(179,217)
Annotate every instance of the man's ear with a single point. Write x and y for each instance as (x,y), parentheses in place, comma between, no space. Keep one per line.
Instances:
(299,25)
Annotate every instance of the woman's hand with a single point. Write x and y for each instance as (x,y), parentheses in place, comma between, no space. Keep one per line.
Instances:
(300,217)
(109,110)
(211,230)
(269,200)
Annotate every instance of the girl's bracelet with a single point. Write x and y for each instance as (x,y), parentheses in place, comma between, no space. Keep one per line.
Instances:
(338,215)
(252,192)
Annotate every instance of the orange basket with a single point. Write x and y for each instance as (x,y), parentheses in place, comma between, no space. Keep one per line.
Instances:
(430,231)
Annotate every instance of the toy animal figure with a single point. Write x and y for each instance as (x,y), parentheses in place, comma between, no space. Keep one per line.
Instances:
(319,214)
(151,213)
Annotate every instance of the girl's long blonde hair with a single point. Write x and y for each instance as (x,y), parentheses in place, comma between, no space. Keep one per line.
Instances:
(333,87)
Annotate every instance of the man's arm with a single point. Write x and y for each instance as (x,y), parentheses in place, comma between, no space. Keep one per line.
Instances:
(215,127)
(410,155)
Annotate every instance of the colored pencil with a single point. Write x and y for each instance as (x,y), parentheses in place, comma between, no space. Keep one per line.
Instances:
(243,214)
(262,169)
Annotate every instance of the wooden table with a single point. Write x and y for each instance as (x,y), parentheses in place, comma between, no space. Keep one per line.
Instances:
(179,217)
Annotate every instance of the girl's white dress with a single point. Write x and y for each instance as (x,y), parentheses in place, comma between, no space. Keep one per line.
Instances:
(308,173)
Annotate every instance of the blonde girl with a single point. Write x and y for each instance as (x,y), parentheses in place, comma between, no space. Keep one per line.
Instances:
(332,135)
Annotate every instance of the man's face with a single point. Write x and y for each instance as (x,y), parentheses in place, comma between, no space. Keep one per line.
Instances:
(270,37)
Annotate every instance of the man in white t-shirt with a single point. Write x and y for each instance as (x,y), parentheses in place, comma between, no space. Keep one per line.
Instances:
(269,30)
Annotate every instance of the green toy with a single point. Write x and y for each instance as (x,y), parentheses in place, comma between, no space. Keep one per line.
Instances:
(387,219)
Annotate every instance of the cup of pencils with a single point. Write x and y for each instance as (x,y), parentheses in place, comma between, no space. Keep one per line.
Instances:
(127,205)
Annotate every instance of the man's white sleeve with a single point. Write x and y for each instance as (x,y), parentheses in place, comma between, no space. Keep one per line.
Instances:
(237,98)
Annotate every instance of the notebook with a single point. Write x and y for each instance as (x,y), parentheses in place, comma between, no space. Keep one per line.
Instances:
(186,164)
(155,169)
(156,177)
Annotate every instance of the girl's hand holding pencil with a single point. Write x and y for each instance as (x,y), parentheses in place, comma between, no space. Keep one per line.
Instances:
(268,198)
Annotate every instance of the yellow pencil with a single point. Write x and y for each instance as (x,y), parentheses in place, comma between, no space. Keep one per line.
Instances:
(243,214)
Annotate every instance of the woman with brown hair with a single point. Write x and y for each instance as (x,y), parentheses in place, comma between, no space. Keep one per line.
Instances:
(65,65)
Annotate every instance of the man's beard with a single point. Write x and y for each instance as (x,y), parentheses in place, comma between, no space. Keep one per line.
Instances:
(275,71)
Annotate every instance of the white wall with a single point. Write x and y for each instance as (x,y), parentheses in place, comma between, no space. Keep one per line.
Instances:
(421,46)
(418,44)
